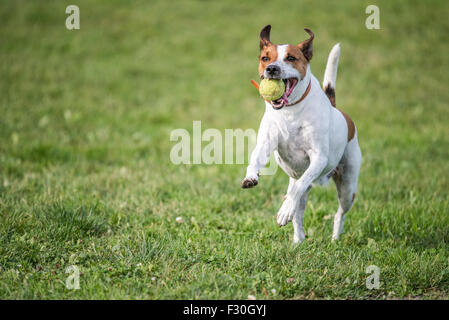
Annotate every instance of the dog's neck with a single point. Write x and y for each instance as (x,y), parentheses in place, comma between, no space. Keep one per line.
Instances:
(301,88)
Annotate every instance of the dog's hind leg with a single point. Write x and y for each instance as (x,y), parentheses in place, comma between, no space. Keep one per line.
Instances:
(346,178)
(298,235)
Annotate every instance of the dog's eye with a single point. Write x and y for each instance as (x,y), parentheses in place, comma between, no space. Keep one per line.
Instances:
(291,58)
(265,59)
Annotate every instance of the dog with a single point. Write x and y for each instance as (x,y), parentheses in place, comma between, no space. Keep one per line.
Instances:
(312,140)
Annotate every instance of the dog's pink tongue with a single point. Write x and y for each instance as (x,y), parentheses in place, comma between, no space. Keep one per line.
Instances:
(285,98)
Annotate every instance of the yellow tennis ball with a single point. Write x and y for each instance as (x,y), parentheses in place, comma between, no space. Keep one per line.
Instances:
(271,89)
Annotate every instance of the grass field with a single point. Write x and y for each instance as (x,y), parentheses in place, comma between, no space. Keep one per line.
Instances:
(86,177)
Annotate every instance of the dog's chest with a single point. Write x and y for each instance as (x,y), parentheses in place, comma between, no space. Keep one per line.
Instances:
(291,150)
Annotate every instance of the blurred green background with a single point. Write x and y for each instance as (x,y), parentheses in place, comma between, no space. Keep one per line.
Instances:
(86,177)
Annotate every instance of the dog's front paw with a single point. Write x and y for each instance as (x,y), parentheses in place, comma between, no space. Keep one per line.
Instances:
(286,212)
(249,182)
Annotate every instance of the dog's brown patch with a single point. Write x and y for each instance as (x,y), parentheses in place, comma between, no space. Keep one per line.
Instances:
(351,126)
(300,63)
(353,197)
(269,50)
(330,93)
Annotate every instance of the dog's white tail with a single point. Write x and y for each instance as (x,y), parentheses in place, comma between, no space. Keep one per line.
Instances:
(330,75)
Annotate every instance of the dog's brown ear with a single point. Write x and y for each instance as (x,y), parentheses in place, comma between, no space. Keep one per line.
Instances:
(307,45)
(265,36)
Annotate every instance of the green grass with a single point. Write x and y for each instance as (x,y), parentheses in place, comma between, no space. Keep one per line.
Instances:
(86,178)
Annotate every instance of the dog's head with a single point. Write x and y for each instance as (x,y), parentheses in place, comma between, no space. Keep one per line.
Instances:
(288,62)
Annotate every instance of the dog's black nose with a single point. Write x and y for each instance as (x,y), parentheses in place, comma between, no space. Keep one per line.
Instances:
(273,70)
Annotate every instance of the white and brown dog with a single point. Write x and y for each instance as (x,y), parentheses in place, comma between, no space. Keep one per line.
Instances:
(312,140)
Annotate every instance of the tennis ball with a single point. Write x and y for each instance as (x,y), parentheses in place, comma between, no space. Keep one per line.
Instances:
(271,89)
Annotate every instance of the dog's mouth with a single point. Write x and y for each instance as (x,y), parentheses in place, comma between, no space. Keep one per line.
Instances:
(290,84)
